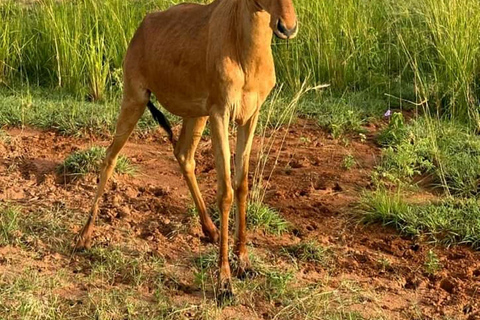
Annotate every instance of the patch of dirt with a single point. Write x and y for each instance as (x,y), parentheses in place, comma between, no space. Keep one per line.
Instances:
(308,187)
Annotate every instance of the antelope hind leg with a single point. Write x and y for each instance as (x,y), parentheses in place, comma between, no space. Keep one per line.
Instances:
(130,113)
(190,135)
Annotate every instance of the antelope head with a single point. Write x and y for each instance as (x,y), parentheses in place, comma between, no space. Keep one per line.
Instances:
(283,17)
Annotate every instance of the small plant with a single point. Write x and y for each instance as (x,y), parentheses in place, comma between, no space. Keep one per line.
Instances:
(432,263)
(385,263)
(89,161)
(348,162)
(305,140)
(4,137)
(395,132)
(363,137)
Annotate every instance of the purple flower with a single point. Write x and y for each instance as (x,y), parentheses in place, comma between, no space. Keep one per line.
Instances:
(388,114)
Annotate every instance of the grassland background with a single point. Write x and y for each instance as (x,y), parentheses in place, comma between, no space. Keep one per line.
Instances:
(412,50)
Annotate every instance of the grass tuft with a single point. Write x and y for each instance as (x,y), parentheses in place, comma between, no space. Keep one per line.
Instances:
(9,224)
(453,221)
(310,251)
(260,216)
(115,267)
(445,152)
(89,161)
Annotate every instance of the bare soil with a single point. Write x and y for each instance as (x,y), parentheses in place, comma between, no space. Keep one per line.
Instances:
(309,187)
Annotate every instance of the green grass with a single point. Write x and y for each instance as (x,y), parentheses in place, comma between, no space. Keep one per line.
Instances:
(343,114)
(260,216)
(9,224)
(28,228)
(453,221)
(444,152)
(27,295)
(62,112)
(88,161)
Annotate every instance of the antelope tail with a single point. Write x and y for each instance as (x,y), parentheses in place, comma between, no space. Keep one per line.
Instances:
(161,119)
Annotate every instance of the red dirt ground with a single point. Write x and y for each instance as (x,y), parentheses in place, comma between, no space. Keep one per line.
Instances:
(308,187)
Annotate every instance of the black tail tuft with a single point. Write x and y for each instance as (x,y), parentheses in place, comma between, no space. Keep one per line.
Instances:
(161,119)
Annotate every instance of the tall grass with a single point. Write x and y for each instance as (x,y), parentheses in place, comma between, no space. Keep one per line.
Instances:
(410,49)
(76,45)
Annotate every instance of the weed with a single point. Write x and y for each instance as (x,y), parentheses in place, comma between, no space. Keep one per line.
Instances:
(432,263)
(348,162)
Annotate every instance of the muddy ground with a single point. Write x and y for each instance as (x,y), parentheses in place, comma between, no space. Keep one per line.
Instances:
(309,187)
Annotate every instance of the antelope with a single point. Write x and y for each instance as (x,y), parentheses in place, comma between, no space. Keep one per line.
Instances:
(203,62)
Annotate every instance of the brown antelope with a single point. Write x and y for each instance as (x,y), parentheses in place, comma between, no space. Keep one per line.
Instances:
(203,62)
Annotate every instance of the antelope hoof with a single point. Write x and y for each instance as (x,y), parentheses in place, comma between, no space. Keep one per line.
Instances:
(245,270)
(225,292)
(83,243)
(212,235)
(84,239)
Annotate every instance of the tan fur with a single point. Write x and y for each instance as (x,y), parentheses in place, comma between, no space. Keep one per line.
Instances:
(204,62)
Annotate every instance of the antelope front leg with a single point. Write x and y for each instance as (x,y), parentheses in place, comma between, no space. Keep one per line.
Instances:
(219,120)
(245,135)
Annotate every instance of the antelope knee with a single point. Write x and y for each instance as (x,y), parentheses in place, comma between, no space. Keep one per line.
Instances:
(241,189)
(187,165)
(225,198)
(109,161)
